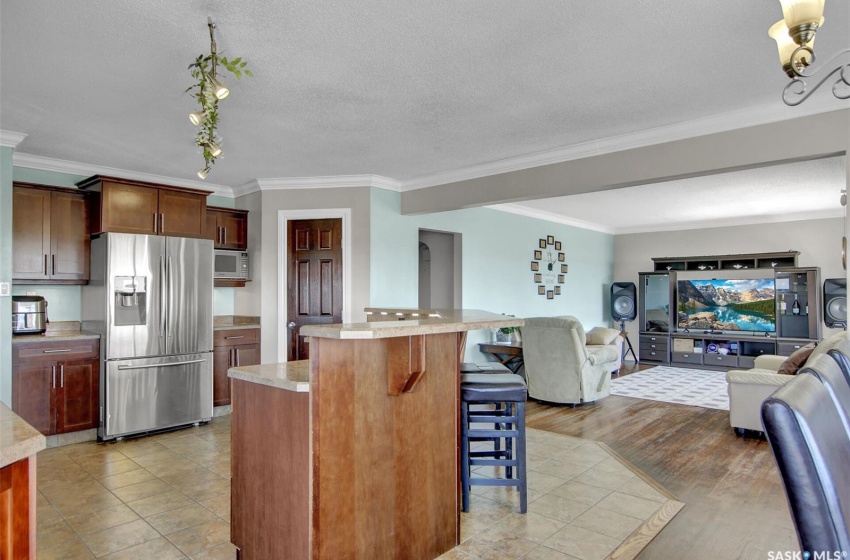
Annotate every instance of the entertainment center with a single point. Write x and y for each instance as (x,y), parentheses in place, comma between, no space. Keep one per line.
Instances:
(721,312)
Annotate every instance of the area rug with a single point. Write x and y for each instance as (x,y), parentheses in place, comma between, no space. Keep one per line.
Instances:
(695,387)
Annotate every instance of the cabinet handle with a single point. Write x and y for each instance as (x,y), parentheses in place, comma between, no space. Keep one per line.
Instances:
(233,337)
(224,242)
(232,360)
(686,355)
(237,357)
(155,223)
(162,222)
(45,265)
(54,376)
(53,264)
(62,376)
(57,351)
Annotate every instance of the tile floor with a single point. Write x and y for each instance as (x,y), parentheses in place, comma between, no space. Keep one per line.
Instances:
(168,496)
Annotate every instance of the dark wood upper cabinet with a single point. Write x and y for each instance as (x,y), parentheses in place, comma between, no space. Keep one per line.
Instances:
(125,206)
(227,227)
(50,235)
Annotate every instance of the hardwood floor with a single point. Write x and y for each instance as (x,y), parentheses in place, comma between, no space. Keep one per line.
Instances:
(735,502)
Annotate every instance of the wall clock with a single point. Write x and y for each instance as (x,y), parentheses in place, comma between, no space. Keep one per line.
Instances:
(549,267)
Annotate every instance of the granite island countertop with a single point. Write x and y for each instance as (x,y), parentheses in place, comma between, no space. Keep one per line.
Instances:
(450,320)
(292,376)
(18,440)
(222,322)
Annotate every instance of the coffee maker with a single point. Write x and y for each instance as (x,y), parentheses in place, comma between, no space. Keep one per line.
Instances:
(29,314)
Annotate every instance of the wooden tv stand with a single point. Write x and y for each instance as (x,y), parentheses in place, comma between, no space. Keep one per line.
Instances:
(705,350)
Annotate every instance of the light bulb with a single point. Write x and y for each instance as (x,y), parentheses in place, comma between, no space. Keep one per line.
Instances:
(204,172)
(213,149)
(198,117)
(219,89)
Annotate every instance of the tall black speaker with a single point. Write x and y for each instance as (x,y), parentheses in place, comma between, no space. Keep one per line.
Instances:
(835,302)
(623,301)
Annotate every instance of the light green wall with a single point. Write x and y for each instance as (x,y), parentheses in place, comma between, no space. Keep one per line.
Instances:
(40,177)
(6,275)
(63,302)
(497,250)
(222,201)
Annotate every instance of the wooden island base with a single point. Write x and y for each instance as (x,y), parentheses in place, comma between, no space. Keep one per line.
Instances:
(364,465)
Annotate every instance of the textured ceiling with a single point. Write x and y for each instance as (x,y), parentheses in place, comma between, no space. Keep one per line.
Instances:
(399,89)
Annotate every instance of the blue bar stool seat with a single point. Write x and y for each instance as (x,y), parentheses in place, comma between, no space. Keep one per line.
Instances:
(507,394)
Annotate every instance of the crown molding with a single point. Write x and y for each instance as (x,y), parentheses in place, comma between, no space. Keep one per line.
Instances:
(725,122)
(328,182)
(86,170)
(549,217)
(735,221)
(9,139)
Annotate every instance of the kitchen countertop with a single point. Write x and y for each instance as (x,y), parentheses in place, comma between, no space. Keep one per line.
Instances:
(292,376)
(221,322)
(451,320)
(18,440)
(56,332)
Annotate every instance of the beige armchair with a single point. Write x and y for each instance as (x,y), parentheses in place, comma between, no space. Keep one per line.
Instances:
(748,388)
(561,367)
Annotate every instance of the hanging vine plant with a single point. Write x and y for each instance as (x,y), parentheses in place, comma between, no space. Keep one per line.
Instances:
(208,91)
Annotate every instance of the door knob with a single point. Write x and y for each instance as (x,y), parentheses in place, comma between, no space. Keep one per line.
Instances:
(291,325)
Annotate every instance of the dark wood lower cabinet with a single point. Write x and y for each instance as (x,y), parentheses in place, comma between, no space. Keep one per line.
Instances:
(17,509)
(232,348)
(56,397)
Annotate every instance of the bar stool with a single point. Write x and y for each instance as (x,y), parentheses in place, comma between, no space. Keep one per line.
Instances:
(507,393)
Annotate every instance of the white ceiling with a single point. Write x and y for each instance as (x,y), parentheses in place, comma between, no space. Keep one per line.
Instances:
(399,89)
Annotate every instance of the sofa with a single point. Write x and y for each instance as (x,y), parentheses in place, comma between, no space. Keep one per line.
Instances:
(565,364)
(749,388)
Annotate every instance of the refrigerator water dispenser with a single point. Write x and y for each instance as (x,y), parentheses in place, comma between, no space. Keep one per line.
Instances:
(130,300)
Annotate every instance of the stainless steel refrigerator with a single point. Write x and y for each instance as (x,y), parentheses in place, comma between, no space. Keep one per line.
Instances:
(150,298)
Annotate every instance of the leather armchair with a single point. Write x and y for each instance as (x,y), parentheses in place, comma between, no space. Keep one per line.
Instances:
(561,367)
(804,428)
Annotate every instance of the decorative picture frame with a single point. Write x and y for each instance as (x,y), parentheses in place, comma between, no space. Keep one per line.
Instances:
(557,290)
(550,294)
(560,279)
(562,257)
(557,245)
(542,244)
(538,255)
(550,240)
(565,268)
(538,278)
(535,265)
(541,290)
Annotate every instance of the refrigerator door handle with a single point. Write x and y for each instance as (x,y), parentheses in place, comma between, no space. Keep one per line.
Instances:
(162,302)
(170,281)
(172,364)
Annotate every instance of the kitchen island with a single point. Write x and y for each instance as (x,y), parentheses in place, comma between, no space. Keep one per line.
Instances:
(353,454)
(19,443)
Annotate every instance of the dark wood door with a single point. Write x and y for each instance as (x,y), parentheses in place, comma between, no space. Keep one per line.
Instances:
(211,227)
(33,395)
(69,236)
(30,233)
(130,209)
(246,355)
(222,361)
(77,395)
(234,230)
(314,279)
(182,214)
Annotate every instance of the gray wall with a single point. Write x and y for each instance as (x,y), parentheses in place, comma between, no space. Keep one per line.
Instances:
(260,296)
(819,243)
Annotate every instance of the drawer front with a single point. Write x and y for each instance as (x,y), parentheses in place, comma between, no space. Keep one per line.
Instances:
(788,348)
(58,351)
(746,362)
(727,360)
(652,355)
(232,337)
(654,339)
(687,357)
(659,346)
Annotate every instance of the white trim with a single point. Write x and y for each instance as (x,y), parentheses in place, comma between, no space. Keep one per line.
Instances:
(549,217)
(283,216)
(735,221)
(86,170)
(9,139)
(328,182)
(732,120)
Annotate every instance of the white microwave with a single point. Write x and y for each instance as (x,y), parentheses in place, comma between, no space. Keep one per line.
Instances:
(231,264)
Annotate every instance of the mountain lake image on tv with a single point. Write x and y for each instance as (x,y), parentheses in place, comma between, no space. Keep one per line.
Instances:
(727,305)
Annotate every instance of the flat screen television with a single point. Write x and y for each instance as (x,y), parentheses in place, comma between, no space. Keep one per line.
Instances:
(727,305)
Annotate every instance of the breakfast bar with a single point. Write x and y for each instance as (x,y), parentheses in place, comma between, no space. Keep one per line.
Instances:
(354,453)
